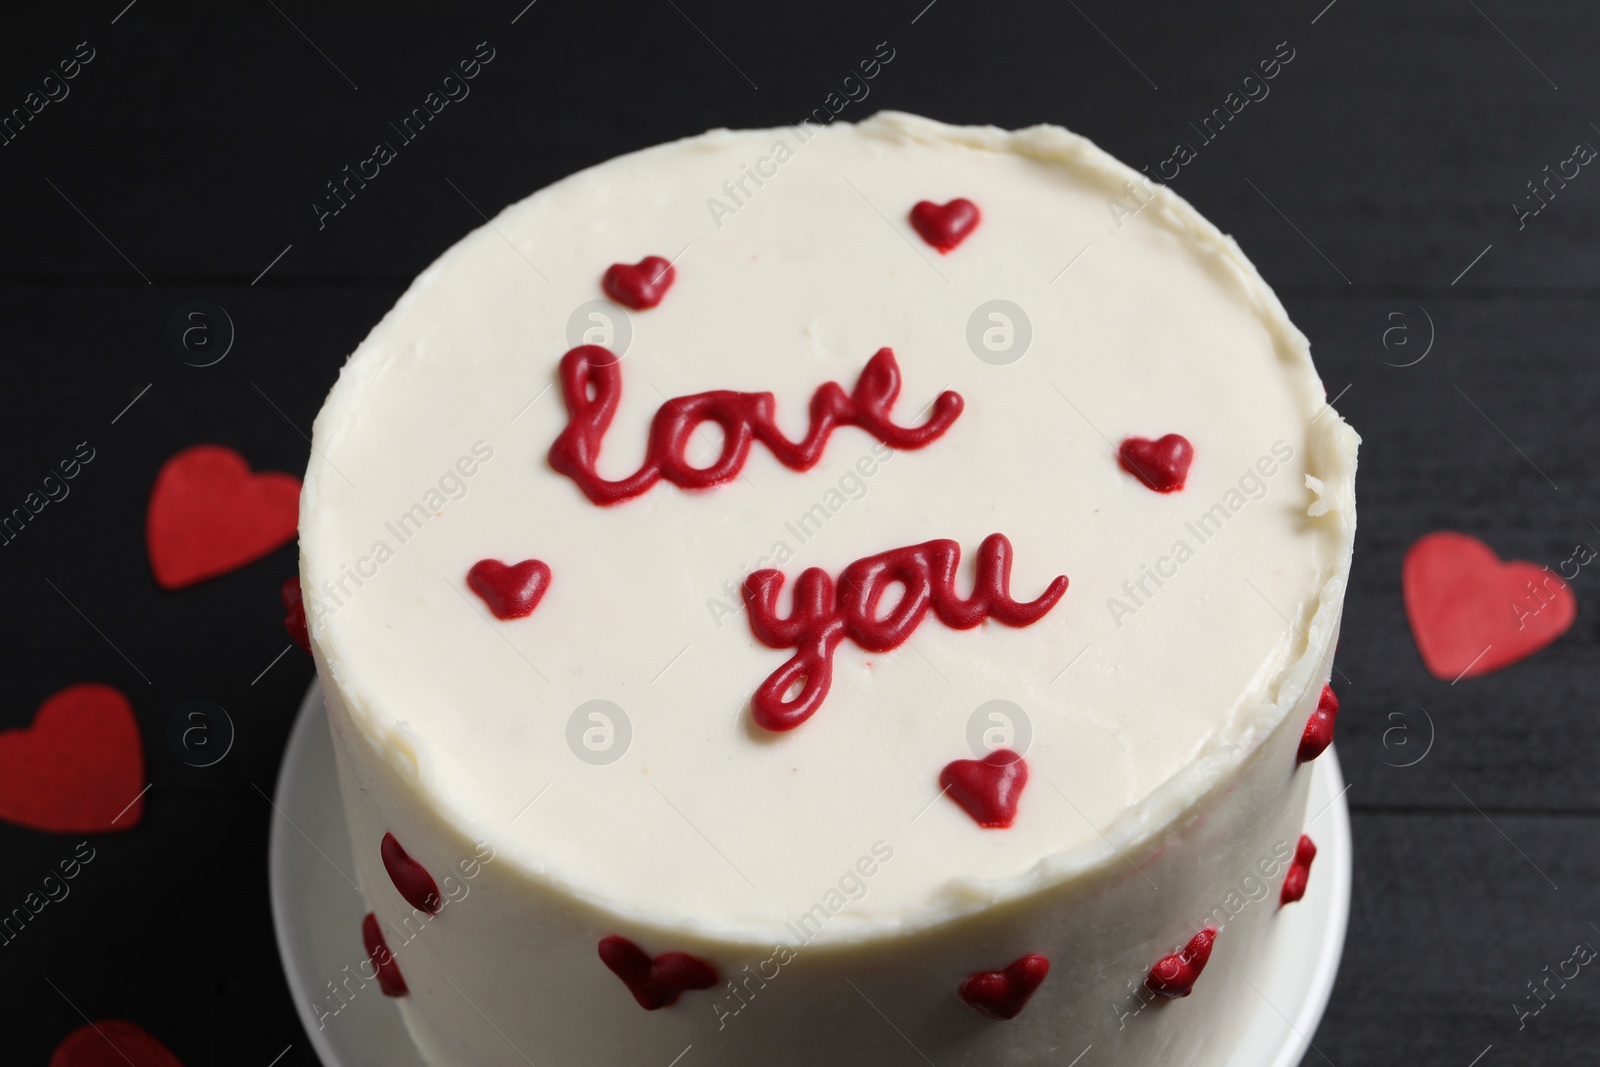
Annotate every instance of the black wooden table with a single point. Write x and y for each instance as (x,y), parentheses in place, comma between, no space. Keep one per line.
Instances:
(1377,188)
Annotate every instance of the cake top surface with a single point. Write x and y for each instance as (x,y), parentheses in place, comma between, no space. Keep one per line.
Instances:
(606,742)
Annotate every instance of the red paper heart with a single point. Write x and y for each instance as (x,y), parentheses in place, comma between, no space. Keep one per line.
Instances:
(655,983)
(1294,883)
(409,877)
(1003,994)
(209,515)
(945,225)
(1174,976)
(1471,613)
(1163,464)
(1318,734)
(639,285)
(79,769)
(294,614)
(112,1043)
(390,980)
(510,591)
(988,788)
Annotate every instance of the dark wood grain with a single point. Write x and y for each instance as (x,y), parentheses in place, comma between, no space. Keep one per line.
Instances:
(1387,157)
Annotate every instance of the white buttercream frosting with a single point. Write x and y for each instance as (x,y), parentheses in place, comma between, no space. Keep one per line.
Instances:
(1141,694)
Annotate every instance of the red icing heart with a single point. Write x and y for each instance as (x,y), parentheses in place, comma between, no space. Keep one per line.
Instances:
(639,285)
(294,614)
(1318,734)
(988,788)
(1294,883)
(1003,994)
(383,961)
(209,515)
(1163,464)
(510,591)
(1471,613)
(1174,976)
(79,768)
(409,877)
(945,225)
(655,983)
(112,1043)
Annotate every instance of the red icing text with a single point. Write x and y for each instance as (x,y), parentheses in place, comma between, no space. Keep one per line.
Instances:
(591,384)
(823,615)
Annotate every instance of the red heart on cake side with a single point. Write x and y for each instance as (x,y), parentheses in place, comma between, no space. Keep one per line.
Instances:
(1318,734)
(411,878)
(209,514)
(79,768)
(390,980)
(655,983)
(1174,976)
(511,591)
(294,614)
(112,1043)
(639,285)
(945,225)
(1472,613)
(988,789)
(1003,994)
(1162,464)
(1294,883)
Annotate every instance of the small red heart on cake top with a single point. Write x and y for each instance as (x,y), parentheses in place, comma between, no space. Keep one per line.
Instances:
(655,983)
(294,614)
(945,225)
(1003,994)
(1174,976)
(987,789)
(1471,613)
(1318,734)
(1294,883)
(639,285)
(112,1043)
(411,878)
(1162,464)
(79,769)
(390,980)
(511,591)
(209,514)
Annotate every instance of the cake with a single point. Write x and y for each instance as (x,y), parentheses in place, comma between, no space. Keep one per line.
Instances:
(828,595)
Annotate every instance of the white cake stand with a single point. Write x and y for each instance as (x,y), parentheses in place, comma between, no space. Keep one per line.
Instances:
(317,911)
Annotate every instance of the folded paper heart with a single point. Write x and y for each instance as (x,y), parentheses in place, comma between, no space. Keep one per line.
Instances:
(511,591)
(1003,994)
(655,982)
(79,768)
(639,285)
(944,226)
(1472,613)
(987,789)
(112,1043)
(209,514)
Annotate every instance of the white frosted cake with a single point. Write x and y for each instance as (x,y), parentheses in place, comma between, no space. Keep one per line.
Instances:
(828,596)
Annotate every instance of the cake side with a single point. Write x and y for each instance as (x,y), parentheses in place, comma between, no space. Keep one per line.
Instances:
(1152,760)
